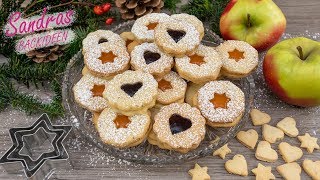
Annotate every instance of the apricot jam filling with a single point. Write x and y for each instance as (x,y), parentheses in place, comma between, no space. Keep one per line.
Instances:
(220,100)
(196,59)
(97,90)
(107,57)
(151,26)
(164,85)
(236,55)
(122,121)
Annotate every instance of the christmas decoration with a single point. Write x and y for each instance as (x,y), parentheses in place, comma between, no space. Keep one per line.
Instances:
(46,54)
(109,21)
(130,9)
(98,10)
(106,7)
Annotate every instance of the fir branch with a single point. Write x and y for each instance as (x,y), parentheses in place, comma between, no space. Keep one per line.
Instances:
(207,10)
(171,5)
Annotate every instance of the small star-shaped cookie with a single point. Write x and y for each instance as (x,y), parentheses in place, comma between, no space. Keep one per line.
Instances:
(308,142)
(263,173)
(199,173)
(223,151)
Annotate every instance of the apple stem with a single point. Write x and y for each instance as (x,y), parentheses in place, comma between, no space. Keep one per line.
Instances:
(248,20)
(299,48)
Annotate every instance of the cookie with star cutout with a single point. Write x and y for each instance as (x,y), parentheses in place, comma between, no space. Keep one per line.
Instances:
(221,102)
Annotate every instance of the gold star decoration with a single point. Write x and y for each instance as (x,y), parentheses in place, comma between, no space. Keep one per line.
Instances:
(262,172)
(236,55)
(222,152)
(308,142)
(199,173)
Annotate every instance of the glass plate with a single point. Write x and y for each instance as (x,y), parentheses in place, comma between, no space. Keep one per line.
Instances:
(145,152)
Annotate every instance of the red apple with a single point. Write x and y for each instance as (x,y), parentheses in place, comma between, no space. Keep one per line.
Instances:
(258,22)
(291,69)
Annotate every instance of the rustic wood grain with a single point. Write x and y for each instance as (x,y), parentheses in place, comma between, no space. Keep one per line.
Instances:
(301,16)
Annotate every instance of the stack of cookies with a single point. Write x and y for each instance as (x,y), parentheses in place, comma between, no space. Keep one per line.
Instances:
(158,82)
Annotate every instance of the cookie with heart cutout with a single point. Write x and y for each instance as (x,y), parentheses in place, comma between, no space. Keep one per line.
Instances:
(191,19)
(178,127)
(122,131)
(132,92)
(147,57)
(177,38)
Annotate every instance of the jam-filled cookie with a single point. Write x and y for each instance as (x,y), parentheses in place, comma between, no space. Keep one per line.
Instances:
(107,60)
(191,93)
(201,67)
(239,58)
(143,28)
(192,20)
(88,93)
(95,39)
(177,38)
(131,92)
(122,131)
(147,57)
(221,102)
(178,127)
(171,88)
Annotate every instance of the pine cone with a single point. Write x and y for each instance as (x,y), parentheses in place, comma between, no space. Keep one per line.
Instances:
(136,8)
(46,54)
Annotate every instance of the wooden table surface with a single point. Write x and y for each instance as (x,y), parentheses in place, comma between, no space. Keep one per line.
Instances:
(91,163)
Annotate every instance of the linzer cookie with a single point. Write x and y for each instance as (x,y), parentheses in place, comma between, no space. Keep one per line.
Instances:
(239,58)
(201,67)
(88,93)
(107,60)
(122,131)
(132,92)
(192,20)
(221,102)
(143,28)
(178,127)
(130,39)
(171,88)
(99,37)
(191,94)
(147,57)
(177,38)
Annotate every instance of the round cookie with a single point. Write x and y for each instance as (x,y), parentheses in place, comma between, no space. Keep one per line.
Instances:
(177,38)
(132,92)
(192,20)
(239,58)
(179,127)
(122,131)
(201,67)
(107,60)
(128,37)
(171,88)
(99,37)
(147,57)
(88,93)
(143,28)
(221,102)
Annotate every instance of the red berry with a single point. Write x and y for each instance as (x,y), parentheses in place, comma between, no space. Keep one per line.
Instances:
(106,7)
(109,21)
(98,10)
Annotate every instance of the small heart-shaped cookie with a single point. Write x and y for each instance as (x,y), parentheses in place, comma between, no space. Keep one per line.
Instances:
(264,152)
(290,171)
(271,134)
(312,168)
(288,126)
(248,138)
(259,118)
(289,153)
(238,165)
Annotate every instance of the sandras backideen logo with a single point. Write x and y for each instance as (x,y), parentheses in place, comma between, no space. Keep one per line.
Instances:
(40,31)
